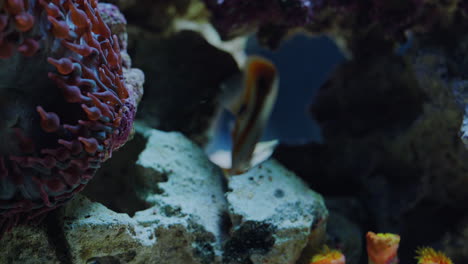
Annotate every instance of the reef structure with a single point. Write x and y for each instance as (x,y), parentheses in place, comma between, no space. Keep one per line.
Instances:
(64,107)
(274,20)
(233,18)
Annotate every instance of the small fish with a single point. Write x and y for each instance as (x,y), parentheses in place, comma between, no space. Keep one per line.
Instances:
(251,104)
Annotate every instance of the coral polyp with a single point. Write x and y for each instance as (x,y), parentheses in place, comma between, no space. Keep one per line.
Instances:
(382,248)
(63,104)
(430,256)
(328,256)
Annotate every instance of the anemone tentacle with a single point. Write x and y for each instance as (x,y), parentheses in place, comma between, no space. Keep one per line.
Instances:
(65,119)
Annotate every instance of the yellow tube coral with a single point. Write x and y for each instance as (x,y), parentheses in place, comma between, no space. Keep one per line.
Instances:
(382,248)
(328,256)
(428,255)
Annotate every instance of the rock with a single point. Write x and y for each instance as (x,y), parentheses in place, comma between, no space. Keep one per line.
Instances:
(179,180)
(177,213)
(184,220)
(183,75)
(94,232)
(27,245)
(159,15)
(406,158)
(455,242)
(120,194)
(346,236)
(273,214)
(345,226)
(236,47)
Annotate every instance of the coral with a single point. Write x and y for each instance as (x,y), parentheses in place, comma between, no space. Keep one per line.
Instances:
(382,248)
(64,105)
(116,22)
(430,256)
(328,256)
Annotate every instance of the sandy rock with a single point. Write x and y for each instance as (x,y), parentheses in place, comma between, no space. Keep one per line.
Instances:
(269,216)
(273,215)
(182,224)
(94,232)
(27,245)
(189,186)
(455,242)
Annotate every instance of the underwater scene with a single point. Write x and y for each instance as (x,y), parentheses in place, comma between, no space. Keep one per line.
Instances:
(234,131)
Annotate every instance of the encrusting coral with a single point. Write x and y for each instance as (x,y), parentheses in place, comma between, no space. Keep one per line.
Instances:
(64,106)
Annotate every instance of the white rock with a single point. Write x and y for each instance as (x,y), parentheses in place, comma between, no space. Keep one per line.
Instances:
(27,245)
(183,224)
(274,215)
(94,232)
(193,190)
(273,206)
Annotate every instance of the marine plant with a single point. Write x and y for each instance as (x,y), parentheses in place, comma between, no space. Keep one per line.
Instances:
(64,106)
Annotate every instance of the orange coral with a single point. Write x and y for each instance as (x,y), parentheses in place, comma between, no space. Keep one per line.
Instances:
(328,256)
(430,256)
(382,248)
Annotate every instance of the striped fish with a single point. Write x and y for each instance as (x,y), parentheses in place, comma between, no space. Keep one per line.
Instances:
(251,104)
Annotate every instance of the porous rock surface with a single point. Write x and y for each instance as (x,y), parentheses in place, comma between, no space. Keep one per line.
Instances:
(27,245)
(273,215)
(183,74)
(266,216)
(181,184)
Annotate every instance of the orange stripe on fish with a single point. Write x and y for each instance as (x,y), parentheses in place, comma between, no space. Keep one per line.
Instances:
(250,97)
(252,111)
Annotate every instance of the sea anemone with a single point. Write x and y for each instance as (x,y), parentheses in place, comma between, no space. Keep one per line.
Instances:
(382,248)
(64,106)
(430,256)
